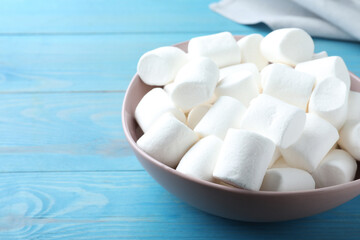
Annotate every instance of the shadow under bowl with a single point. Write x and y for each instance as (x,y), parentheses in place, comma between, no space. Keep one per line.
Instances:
(230,202)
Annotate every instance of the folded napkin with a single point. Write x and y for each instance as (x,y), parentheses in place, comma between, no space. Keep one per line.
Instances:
(337,19)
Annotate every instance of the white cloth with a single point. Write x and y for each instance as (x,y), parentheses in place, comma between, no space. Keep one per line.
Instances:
(337,19)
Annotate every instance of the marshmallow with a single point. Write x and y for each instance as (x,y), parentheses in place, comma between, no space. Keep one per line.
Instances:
(240,85)
(275,157)
(155,103)
(194,84)
(200,160)
(224,72)
(226,113)
(167,140)
(350,138)
(288,85)
(267,70)
(243,159)
(250,50)
(324,67)
(353,106)
(329,100)
(336,168)
(288,45)
(220,47)
(280,163)
(287,179)
(275,119)
(315,142)
(196,114)
(319,55)
(160,66)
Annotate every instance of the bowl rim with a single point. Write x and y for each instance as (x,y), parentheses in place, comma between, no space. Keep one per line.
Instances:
(234,190)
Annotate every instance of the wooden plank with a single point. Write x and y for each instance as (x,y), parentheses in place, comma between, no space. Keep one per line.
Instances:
(65,131)
(110,16)
(130,205)
(99,62)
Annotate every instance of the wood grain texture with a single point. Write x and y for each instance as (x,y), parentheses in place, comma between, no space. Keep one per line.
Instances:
(130,205)
(63,132)
(110,16)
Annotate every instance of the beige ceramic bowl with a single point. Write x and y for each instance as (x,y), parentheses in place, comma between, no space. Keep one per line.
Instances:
(229,202)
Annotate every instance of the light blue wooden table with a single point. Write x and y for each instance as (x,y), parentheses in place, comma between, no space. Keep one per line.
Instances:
(66,170)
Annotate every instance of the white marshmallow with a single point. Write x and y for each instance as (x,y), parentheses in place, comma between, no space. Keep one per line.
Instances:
(240,85)
(250,50)
(196,114)
(353,106)
(336,168)
(220,47)
(243,159)
(194,84)
(350,138)
(154,104)
(322,54)
(275,157)
(315,142)
(200,160)
(167,140)
(226,113)
(287,84)
(275,119)
(329,100)
(224,72)
(324,67)
(160,66)
(288,45)
(287,179)
(265,72)
(280,163)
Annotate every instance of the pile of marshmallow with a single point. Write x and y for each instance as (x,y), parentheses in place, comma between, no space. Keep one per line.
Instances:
(262,113)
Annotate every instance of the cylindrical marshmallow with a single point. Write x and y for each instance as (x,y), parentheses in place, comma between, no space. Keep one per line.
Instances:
(288,45)
(194,84)
(226,113)
(350,138)
(287,179)
(324,67)
(160,66)
(196,114)
(243,159)
(240,85)
(280,163)
(353,106)
(329,100)
(265,72)
(154,104)
(226,71)
(336,168)
(167,140)
(315,142)
(250,50)
(322,54)
(287,84)
(275,119)
(220,47)
(200,160)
